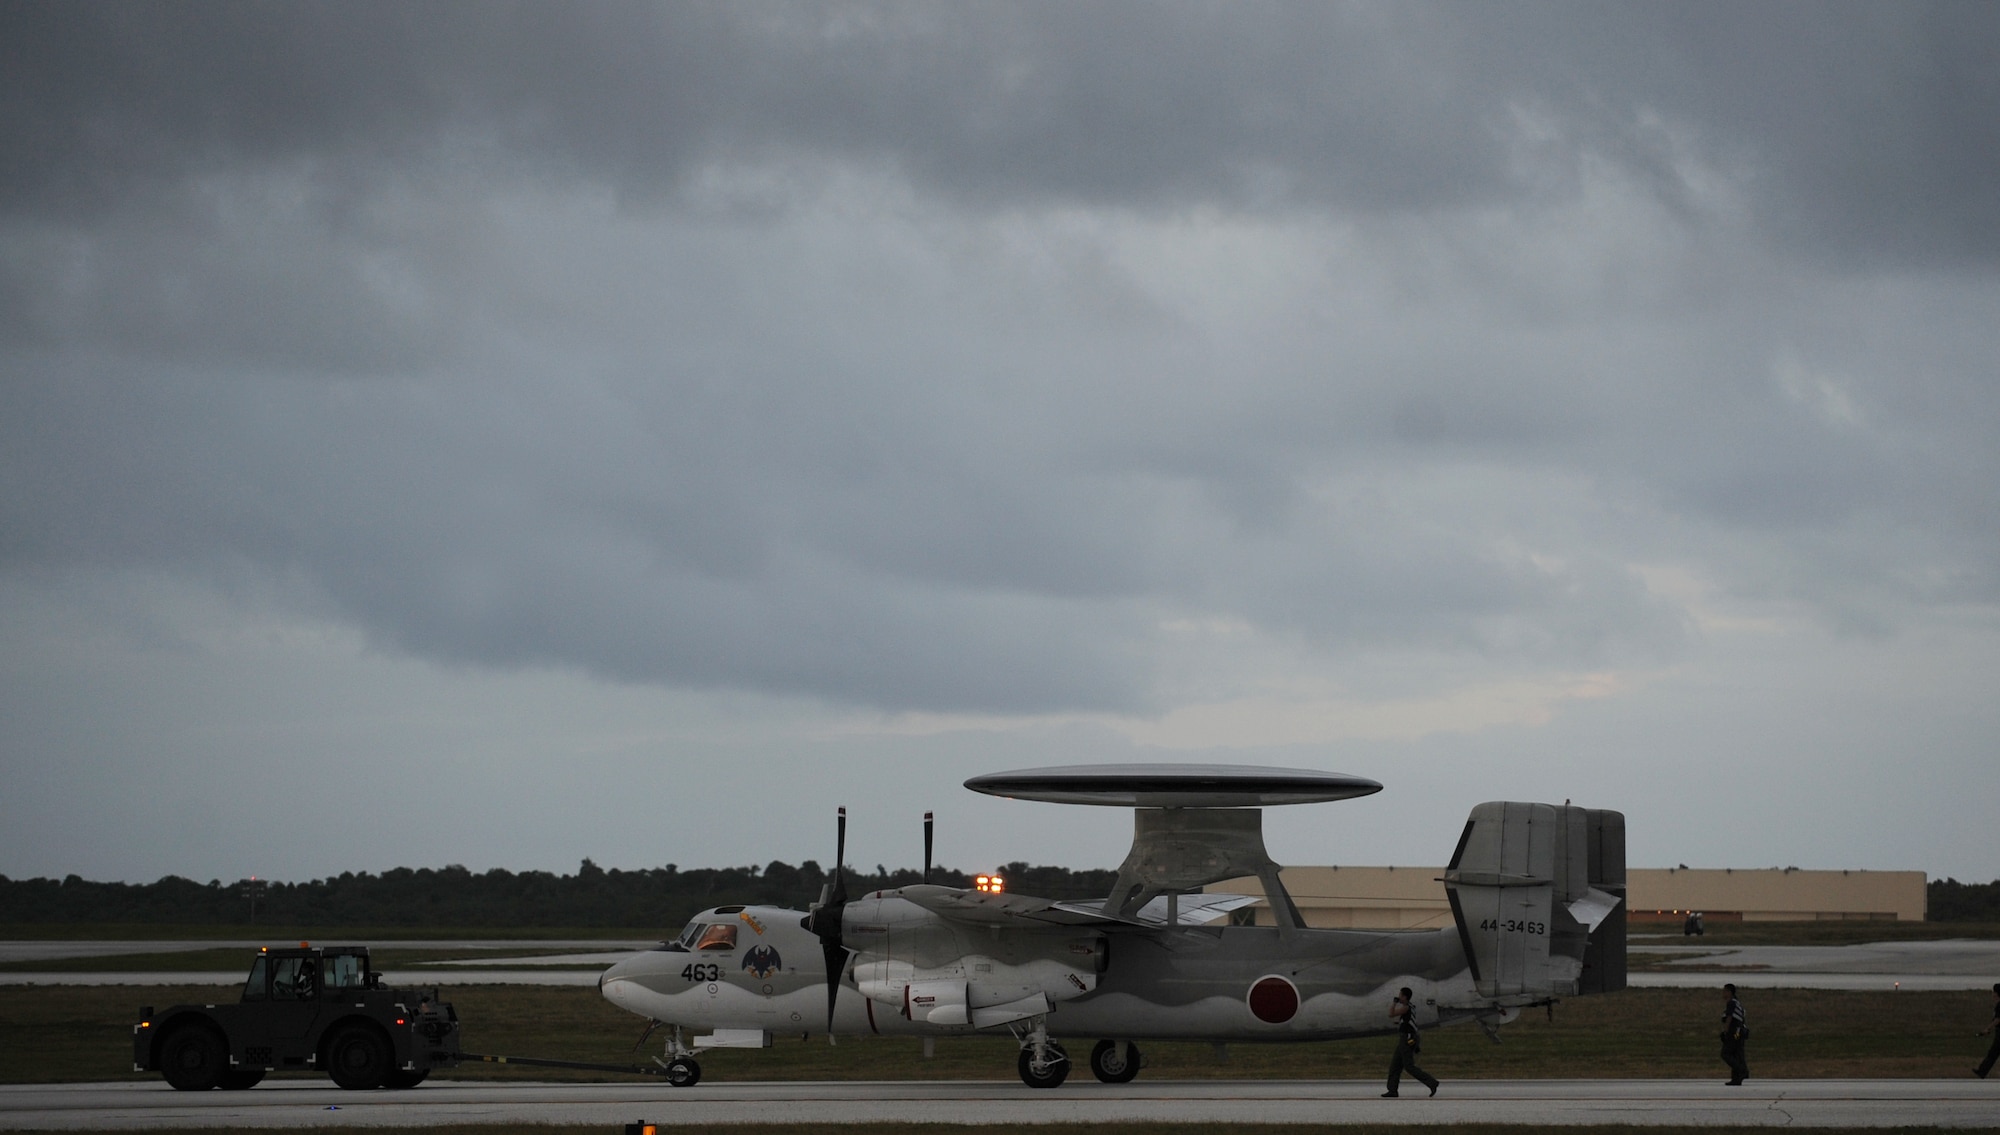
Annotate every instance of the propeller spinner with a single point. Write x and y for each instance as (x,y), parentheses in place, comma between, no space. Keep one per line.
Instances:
(824,920)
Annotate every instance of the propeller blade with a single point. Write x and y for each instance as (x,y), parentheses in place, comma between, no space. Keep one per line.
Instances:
(836,961)
(824,921)
(840,857)
(927,847)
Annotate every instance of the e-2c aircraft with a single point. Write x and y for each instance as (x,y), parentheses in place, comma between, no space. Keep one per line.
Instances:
(1537,902)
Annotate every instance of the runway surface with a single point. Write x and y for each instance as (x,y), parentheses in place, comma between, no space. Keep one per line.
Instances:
(296,1103)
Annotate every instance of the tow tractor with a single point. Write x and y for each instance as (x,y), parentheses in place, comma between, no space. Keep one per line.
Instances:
(323,1009)
(313,1008)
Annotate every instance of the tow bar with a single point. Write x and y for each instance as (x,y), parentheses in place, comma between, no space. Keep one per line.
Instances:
(537,1062)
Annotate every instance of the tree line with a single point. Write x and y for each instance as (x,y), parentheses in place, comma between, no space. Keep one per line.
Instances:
(658,897)
(454,896)
(1948,900)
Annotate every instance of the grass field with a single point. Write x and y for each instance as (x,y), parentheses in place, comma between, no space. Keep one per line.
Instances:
(74,1033)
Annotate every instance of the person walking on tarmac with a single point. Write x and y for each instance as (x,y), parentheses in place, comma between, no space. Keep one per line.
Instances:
(1408,1043)
(1993,1053)
(1735,1031)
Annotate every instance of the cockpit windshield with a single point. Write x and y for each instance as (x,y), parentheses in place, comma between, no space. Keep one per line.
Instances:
(701,934)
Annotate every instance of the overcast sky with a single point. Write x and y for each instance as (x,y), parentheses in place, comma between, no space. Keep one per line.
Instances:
(504,434)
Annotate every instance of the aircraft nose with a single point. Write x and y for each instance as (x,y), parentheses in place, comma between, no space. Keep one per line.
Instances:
(619,971)
(615,982)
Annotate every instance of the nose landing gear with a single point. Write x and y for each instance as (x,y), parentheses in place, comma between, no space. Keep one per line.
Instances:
(683,1072)
(682,1069)
(1043,1062)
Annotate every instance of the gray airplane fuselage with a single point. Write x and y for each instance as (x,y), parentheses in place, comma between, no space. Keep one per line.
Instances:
(1215,983)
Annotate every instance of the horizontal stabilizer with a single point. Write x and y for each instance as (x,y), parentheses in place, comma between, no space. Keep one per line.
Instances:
(1593,908)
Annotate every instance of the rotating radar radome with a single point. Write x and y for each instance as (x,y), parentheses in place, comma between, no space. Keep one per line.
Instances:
(1174,786)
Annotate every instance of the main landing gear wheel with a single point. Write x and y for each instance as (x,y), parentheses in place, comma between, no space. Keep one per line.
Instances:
(1114,1062)
(683,1072)
(1048,1075)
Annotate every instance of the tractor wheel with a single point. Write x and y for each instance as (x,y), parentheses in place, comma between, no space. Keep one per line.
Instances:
(193,1058)
(358,1058)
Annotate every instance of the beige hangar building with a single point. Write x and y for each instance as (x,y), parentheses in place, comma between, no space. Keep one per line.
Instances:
(1409,898)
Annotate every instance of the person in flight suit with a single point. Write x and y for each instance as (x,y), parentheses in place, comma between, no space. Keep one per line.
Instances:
(1993,1053)
(1735,1031)
(1408,1043)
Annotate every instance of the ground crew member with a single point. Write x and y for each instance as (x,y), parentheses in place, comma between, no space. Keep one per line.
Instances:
(1993,1053)
(1735,1031)
(1409,1042)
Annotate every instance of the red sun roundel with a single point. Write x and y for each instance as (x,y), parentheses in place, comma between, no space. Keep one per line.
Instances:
(1274,1000)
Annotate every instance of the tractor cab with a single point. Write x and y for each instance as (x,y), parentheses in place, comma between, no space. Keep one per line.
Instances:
(308,973)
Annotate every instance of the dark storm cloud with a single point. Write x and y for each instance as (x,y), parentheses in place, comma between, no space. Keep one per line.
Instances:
(522,335)
(1867,132)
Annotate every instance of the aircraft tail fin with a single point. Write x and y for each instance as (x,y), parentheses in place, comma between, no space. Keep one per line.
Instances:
(1604,957)
(1537,891)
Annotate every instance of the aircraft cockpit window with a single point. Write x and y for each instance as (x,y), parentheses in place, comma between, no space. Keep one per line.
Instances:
(721,936)
(686,940)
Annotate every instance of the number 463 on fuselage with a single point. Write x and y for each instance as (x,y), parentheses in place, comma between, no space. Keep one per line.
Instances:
(1536,895)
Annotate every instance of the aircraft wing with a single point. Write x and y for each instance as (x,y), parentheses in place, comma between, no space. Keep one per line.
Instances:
(1193,909)
(985,908)
(989,909)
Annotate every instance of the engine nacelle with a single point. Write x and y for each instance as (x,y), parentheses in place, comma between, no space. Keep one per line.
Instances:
(937,1002)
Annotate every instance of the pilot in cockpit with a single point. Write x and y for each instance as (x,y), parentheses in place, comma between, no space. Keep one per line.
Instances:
(705,937)
(717,938)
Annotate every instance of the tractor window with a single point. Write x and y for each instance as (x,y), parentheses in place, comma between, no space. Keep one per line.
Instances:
(295,979)
(259,986)
(345,971)
(721,936)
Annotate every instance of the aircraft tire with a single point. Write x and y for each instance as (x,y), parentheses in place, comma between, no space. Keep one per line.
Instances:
(1108,1068)
(683,1072)
(400,1079)
(193,1058)
(237,1079)
(1051,1076)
